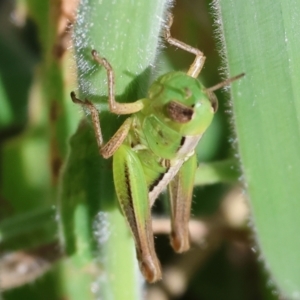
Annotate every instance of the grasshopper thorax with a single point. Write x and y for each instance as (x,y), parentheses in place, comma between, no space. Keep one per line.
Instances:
(182,103)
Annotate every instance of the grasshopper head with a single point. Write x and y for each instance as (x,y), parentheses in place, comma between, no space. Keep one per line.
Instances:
(182,103)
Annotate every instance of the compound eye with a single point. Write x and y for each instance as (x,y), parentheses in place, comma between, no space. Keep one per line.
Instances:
(178,112)
(213,101)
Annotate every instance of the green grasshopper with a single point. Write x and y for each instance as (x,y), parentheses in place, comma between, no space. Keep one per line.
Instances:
(155,148)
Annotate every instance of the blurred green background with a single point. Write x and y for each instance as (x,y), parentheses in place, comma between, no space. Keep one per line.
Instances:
(37,120)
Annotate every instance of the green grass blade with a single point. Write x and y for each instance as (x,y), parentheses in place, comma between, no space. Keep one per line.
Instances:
(225,171)
(261,38)
(126,33)
(28,230)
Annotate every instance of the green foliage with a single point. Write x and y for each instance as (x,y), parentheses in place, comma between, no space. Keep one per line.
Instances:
(266,108)
(57,193)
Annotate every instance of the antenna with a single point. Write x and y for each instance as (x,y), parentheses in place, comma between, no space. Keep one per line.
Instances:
(225,82)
